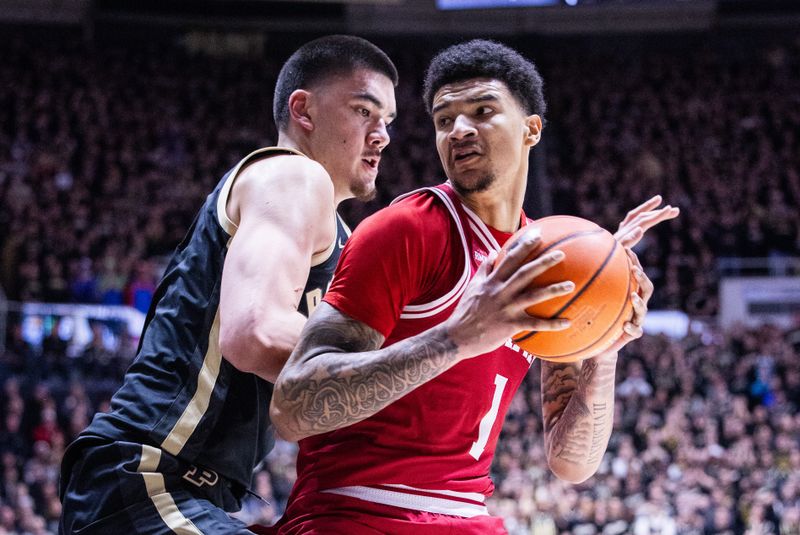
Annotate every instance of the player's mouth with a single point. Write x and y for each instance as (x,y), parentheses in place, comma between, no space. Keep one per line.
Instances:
(371,163)
(464,154)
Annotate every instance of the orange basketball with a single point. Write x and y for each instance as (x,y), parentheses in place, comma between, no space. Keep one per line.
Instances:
(600,304)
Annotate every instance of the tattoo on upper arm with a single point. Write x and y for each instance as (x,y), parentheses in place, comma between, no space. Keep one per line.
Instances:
(352,383)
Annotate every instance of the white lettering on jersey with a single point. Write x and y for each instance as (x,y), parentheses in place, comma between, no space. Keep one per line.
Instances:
(487,422)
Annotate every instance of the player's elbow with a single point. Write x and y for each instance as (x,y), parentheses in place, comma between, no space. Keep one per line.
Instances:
(281,416)
(282,429)
(235,350)
(569,471)
(252,352)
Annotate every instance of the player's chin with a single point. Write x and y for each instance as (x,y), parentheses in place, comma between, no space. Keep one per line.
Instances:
(364,190)
(471,182)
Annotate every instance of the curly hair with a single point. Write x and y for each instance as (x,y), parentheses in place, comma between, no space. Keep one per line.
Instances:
(480,58)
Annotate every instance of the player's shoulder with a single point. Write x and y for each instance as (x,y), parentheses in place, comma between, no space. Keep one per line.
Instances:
(286,173)
(419,212)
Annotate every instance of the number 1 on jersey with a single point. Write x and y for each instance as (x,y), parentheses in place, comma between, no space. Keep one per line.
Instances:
(487,422)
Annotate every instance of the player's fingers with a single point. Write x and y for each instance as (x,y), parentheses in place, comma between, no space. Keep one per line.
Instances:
(648,220)
(524,276)
(516,255)
(531,323)
(639,309)
(645,284)
(633,331)
(487,266)
(649,204)
(630,332)
(534,296)
(644,221)
(634,258)
(631,237)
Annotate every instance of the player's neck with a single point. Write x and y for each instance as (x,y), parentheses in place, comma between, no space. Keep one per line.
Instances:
(499,206)
(288,142)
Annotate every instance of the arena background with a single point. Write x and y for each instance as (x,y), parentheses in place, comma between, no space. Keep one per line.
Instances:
(117,117)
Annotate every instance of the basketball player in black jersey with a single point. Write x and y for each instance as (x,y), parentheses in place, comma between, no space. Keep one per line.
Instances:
(191,421)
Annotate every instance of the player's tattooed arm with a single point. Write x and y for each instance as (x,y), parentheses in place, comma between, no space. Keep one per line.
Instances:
(338,375)
(578,414)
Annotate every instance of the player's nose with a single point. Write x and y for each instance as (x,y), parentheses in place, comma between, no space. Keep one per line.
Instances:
(462,127)
(379,136)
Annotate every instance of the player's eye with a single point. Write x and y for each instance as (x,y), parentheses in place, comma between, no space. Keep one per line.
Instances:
(443,122)
(364,112)
(484,110)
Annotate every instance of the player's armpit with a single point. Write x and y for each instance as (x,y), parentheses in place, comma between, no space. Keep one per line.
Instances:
(338,376)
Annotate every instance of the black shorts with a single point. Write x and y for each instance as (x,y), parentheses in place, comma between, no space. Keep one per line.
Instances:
(122,488)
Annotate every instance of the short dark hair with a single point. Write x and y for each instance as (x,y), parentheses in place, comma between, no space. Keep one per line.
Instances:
(480,58)
(323,58)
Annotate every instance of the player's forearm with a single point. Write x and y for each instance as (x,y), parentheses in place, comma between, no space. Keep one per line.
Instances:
(338,377)
(578,410)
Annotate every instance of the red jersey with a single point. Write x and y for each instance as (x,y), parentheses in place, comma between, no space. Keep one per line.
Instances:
(402,272)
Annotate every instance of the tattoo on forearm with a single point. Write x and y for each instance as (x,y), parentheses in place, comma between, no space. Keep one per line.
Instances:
(358,383)
(558,383)
(577,433)
(598,424)
(575,429)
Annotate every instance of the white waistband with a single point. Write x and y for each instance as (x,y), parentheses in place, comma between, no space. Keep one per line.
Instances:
(463,504)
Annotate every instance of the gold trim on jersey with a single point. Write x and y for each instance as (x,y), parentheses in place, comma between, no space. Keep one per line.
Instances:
(198,405)
(156,489)
(222,201)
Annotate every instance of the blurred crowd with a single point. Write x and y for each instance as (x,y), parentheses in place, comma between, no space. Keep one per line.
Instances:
(706,442)
(106,154)
(716,131)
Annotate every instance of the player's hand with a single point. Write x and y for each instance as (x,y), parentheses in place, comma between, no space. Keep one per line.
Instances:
(492,308)
(641,219)
(633,329)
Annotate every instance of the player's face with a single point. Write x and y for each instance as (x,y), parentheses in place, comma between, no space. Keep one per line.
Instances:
(352,129)
(482,134)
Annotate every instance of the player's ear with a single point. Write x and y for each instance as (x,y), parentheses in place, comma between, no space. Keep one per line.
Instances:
(299,102)
(533,130)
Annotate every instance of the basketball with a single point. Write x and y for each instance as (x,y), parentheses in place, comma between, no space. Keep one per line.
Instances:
(600,304)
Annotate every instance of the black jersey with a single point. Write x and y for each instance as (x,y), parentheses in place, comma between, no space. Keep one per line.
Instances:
(181,394)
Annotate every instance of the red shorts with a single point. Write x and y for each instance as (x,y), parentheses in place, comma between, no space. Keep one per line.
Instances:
(324,513)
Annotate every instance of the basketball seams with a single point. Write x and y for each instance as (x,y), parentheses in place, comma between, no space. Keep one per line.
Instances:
(613,325)
(568,237)
(585,287)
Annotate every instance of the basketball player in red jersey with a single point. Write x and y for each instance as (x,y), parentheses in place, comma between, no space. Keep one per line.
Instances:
(402,378)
